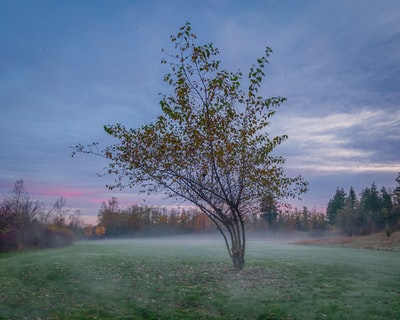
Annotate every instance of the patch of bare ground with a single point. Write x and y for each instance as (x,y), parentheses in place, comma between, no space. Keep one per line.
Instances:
(375,241)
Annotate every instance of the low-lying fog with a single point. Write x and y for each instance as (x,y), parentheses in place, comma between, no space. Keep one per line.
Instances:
(275,247)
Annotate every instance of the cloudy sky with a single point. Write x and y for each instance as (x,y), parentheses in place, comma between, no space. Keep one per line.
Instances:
(69,67)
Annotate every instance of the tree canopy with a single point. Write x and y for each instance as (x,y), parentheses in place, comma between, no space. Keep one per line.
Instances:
(210,145)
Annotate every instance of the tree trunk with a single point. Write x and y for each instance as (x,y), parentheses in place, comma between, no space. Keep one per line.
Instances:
(233,233)
(238,260)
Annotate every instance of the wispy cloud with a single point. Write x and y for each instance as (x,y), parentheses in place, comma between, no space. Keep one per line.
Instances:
(343,142)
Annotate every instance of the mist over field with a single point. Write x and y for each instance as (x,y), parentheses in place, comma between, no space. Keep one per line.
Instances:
(276,247)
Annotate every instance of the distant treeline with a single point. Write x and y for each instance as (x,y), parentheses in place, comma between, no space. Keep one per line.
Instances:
(146,221)
(372,211)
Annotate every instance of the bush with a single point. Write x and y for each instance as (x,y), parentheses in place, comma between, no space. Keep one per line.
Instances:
(57,236)
(35,236)
(8,240)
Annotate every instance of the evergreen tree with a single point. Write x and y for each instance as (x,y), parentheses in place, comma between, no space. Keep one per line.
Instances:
(335,204)
(269,210)
(348,217)
(386,200)
(371,212)
(352,198)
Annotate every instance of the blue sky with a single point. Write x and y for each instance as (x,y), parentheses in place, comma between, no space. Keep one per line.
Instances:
(69,67)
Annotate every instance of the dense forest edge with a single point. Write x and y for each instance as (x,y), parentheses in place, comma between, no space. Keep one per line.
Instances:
(25,223)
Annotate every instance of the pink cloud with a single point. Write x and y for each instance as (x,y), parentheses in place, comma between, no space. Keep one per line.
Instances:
(97,200)
(66,193)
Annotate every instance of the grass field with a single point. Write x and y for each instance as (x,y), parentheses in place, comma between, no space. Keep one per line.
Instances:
(184,278)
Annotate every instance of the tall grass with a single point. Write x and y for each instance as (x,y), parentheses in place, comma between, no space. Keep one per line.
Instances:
(192,279)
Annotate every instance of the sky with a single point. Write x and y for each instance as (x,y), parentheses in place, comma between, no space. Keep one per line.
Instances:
(67,68)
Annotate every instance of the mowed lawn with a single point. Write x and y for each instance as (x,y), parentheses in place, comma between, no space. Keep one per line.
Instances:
(185,278)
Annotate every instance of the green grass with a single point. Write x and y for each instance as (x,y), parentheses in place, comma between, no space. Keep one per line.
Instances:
(187,279)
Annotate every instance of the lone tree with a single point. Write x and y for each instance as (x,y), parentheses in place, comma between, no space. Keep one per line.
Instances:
(209,147)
